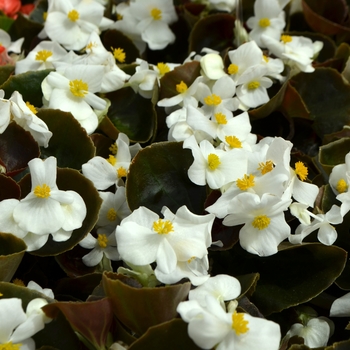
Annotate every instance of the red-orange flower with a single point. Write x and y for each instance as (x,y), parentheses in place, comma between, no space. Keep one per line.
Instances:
(10,7)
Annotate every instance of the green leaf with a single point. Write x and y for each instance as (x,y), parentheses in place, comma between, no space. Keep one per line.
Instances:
(12,250)
(5,23)
(132,114)
(69,179)
(5,72)
(172,333)
(158,176)
(291,277)
(69,143)
(326,97)
(140,308)
(28,85)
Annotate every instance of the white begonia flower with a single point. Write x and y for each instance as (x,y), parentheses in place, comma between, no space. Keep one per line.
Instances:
(211,327)
(162,68)
(153,19)
(299,210)
(107,172)
(104,244)
(41,57)
(70,23)
(252,85)
(339,177)
(264,223)
(341,307)
(222,287)
(244,57)
(144,238)
(15,330)
(7,221)
(316,332)
(296,51)
(113,210)
(327,234)
(185,95)
(212,66)
(73,90)
(46,291)
(44,210)
(214,166)
(222,5)
(268,20)
(218,102)
(6,45)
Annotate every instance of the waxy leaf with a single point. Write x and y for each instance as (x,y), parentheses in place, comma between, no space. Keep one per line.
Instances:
(28,85)
(12,250)
(139,308)
(172,333)
(158,176)
(8,188)
(291,277)
(132,114)
(5,72)
(91,319)
(69,143)
(69,179)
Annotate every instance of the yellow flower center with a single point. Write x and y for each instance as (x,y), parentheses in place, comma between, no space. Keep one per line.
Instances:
(31,107)
(212,100)
(119,17)
(266,59)
(18,282)
(119,54)
(113,148)
(220,118)
(156,13)
(44,16)
(301,170)
(163,227)
(253,85)
(233,141)
(265,167)
(102,240)
(78,87)
(10,346)
(342,186)
(232,68)
(246,182)
(73,15)
(43,55)
(122,172)
(286,39)
(213,161)
(181,88)
(163,68)
(264,22)
(261,222)
(112,160)
(191,259)
(42,191)
(239,324)
(111,214)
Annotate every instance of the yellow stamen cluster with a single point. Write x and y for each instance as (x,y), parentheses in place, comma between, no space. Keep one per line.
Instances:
(42,191)
(119,54)
(342,186)
(301,170)
(90,45)
(102,240)
(264,22)
(43,55)
(286,39)
(113,149)
(163,227)
(212,100)
(18,282)
(44,16)
(73,15)
(163,68)
(265,167)
(10,346)
(156,13)
(246,182)
(181,87)
(261,222)
(232,69)
(239,324)
(122,172)
(213,161)
(111,214)
(78,87)
(191,259)
(112,160)
(31,107)
(253,85)
(233,141)
(266,59)
(220,118)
